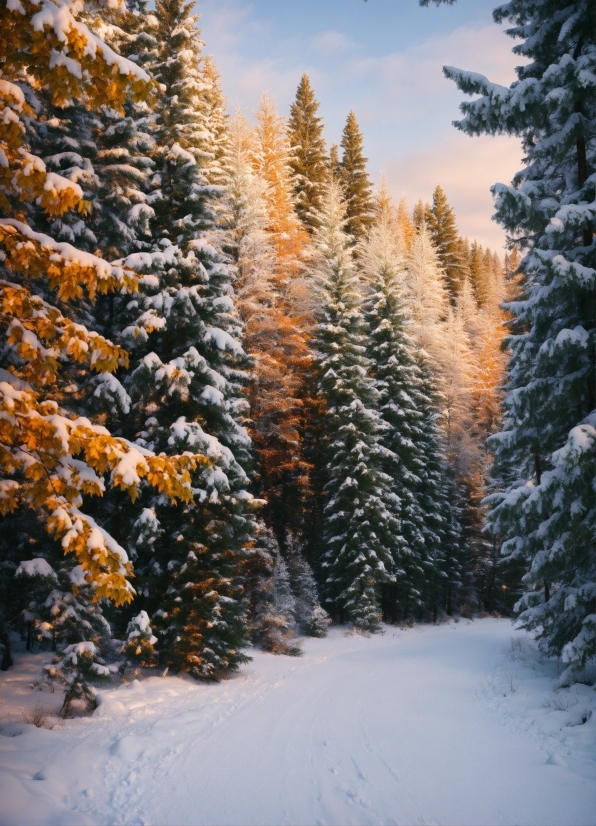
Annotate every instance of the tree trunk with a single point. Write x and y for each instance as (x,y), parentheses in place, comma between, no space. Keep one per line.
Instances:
(538,469)
(29,643)
(6,656)
(582,174)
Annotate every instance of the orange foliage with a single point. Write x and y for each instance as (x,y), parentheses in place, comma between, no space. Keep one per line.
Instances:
(48,459)
(277,315)
(270,160)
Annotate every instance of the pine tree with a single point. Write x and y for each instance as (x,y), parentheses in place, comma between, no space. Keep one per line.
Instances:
(271,605)
(140,641)
(358,523)
(217,123)
(427,296)
(405,224)
(545,452)
(443,231)
(271,161)
(187,385)
(398,380)
(311,618)
(268,285)
(334,162)
(420,214)
(430,312)
(357,188)
(308,159)
(478,274)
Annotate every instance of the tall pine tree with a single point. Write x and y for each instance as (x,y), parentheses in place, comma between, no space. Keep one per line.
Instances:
(359,518)
(357,187)
(398,381)
(308,159)
(443,231)
(187,387)
(545,453)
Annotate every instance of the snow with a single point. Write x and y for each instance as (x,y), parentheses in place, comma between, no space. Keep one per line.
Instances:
(58,17)
(34,567)
(66,251)
(223,340)
(449,724)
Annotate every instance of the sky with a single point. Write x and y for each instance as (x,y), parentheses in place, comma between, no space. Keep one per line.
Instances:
(383,59)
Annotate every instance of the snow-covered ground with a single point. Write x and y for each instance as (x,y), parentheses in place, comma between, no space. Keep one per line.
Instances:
(455,724)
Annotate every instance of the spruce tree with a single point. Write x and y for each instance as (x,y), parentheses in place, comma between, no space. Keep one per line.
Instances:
(443,231)
(429,308)
(420,214)
(266,242)
(76,465)
(268,597)
(398,380)
(478,274)
(358,513)
(405,223)
(217,165)
(334,162)
(308,159)
(187,383)
(357,188)
(311,618)
(545,452)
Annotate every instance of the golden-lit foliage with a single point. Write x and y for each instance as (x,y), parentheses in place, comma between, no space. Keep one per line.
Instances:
(49,459)
(405,223)
(274,301)
(270,160)
(53,460)
(57,51)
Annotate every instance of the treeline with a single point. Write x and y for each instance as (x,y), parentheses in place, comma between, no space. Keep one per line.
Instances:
(291,376)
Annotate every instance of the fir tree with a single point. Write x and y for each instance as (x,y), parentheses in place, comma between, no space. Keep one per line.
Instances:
(140,641)
(430,312)
(334,162)
(358,519)
(271,605)
(41,302)
(405,223)
(217,169)
(311,618)
(271,158)
(260,227)
(427,296)
(357,187)
(478,275)
(420,214)
(308,160)
(187,386)
(398,380)
(545,452)
(443,231)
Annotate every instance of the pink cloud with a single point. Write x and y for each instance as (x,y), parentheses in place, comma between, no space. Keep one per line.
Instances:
(466,168)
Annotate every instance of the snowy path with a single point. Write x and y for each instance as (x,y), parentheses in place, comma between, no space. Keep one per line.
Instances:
(401,728)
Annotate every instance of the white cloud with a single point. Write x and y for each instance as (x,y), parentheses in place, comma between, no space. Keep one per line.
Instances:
(230,24)
(409,87)
(331,41)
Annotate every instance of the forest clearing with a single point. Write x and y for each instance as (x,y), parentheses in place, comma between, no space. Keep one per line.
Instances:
(447,724)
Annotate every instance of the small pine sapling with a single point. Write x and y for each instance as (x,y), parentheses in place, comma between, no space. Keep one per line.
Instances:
(139,647)
(311,618)
(79,668)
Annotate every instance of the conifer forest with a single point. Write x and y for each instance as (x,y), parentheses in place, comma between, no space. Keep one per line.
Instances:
(246,396)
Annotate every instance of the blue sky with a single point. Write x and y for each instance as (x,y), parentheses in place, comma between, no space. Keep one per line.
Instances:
(383,60)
